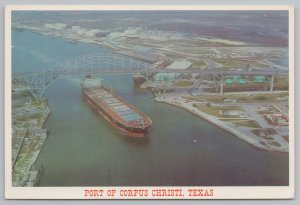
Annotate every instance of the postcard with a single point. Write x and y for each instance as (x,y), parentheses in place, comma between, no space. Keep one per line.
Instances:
(149,102)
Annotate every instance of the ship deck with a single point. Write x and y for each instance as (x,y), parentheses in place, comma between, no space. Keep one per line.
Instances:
(120,108)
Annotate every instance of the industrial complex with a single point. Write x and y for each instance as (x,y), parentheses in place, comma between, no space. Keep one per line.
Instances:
(236,85)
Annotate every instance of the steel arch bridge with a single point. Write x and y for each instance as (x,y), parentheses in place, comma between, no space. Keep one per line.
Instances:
(111,63)
(96,63)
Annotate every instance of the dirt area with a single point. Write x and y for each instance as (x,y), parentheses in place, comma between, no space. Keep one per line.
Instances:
(286,138)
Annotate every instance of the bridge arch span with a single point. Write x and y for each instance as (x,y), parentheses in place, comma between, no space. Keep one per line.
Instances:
(94,63)
(101,63)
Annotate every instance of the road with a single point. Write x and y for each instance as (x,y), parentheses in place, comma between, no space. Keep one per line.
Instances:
(251,111)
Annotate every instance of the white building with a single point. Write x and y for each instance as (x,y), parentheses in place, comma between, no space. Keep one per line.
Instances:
(181,65)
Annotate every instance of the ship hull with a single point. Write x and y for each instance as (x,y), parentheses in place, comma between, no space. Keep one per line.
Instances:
(121,127)
(138,80)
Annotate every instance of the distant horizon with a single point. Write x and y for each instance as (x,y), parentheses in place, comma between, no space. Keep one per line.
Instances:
(269,28)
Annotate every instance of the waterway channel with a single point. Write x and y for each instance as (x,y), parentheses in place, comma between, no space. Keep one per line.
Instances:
(180,149)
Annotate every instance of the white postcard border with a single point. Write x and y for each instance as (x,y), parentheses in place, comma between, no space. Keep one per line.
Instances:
(219,192)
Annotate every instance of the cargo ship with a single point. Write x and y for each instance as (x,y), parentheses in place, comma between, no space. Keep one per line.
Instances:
(138,79)
(122,115)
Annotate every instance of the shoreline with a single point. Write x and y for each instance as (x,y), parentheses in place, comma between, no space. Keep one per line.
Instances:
(30,177)
(115,49)
(212,120)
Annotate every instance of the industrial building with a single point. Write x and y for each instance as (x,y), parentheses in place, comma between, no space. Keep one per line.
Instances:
(181,65)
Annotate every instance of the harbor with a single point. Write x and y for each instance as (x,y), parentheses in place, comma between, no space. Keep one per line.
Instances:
(114,159)
(203,144)
(243,132)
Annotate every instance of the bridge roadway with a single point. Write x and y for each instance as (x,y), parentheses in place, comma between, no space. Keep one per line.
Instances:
(222,72)
(155,71)
(109,63)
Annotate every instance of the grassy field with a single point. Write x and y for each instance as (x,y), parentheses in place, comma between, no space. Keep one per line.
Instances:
(242,98)
(240,63)
(210,110)
(215,110)
(183,83)
(196,99)
(197,64)
(248,123)
(244,123)
(281,79)
(36,103)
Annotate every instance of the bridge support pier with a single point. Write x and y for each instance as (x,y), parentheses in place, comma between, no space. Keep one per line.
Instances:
(272,84)
(222,88)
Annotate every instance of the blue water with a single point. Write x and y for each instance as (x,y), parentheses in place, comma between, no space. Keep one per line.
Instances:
(180,149)
(36,53)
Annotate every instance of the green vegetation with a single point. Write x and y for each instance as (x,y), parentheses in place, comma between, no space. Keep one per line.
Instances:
(238,63)
(196,99)
(27,94)
(198,64)
(215,110)
(30,115)
(248,123)
(36,102)
(212,98)
(243,123)
(259,98)
(281,80)
(183,83)
(245,98)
